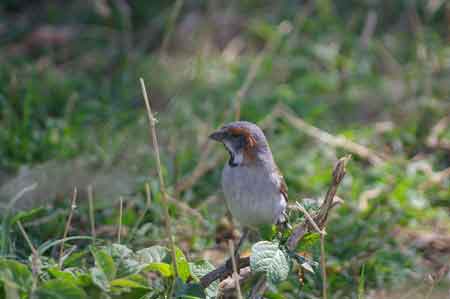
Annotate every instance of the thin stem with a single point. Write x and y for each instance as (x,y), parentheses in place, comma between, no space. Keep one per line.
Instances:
(66,230)
(310,219)
(148,196)
(165,199)
(235,273)
(323,266)
(34,258)
(119,232)
(91,212)
(171,25)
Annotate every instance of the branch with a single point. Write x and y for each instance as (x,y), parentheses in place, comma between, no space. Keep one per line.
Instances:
(321,217)
(325,137)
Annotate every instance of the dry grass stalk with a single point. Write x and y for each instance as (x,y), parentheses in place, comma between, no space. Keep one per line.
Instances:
(35,262)
(325,137)
(167,220)
(119,231)
(91,212)
(66,229)
(235,273)
(310,218)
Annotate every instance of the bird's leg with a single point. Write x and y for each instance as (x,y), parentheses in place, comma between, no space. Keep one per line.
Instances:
(241,241)
(238,247)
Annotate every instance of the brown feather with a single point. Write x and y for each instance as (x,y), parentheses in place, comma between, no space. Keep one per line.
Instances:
(250,141)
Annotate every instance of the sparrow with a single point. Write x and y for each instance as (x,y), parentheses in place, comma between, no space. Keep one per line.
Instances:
(254,189)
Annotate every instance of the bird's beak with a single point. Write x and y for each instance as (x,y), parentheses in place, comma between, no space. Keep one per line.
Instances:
(217,135)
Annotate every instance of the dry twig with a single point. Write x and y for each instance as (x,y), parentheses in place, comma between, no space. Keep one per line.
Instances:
(35,261)
(168,224)
(325,137)
(66,230)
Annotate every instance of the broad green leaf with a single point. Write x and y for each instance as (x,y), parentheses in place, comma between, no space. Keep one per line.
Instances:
(61,275)
(60,289)
(104,262)
(124,260)
(119,251)
(154,254)
(100,279)
(268,258)
(182,265)
(201,268)
(128,267)
(13,273)
(164,269)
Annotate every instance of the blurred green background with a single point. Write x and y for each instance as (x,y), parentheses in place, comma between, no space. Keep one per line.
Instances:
(376,72)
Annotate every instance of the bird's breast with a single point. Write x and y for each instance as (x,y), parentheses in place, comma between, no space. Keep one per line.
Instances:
(252,195)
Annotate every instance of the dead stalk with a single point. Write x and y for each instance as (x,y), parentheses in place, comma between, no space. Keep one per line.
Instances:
(152,120)
(66,230)
(310,219)
(327,138)
(35,262)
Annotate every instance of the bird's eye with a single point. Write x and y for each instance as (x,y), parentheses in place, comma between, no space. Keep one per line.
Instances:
(235,136)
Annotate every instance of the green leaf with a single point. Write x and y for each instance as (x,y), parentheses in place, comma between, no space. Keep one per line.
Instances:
(49,244)
(61,275)
(25,216)
(188,290)
(309,240)
(119,251)
(104,262)
(361,283)
(267,257)
(198,270)
(268,231)
(162,268)
(127,283)
(154,254)
(15,274)
(60,289)
(182,265)
(100,279)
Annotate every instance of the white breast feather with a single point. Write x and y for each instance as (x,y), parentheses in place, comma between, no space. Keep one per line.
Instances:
(253,195)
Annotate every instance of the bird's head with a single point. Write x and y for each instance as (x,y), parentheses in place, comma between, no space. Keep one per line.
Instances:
(244,141)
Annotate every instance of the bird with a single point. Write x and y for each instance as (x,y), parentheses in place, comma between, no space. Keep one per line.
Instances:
(254,188)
